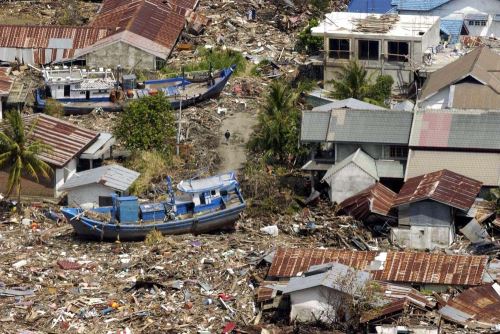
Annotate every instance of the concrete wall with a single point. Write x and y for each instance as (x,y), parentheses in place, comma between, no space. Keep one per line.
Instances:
(439,100)
(316,303)
(348,181)
(88,196)
(423,237)
(63,174)
(120,53)
(29,187)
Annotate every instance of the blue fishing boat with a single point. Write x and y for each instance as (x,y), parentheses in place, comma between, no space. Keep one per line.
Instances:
(211,204)
(80,91)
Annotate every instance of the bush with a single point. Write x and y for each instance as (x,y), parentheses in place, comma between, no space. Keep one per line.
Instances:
(147,124)
(308,43)
(54,108)
(153,168)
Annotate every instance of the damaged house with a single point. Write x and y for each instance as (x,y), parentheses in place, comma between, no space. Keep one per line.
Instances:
(427,207)
(356,148)
(137,34)
(384,43)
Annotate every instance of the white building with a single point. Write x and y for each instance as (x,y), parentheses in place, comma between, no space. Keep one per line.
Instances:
(385,44)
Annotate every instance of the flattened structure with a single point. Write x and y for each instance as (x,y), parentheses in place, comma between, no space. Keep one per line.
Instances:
(443,186)
(403,267)
(376,199)
(5,82)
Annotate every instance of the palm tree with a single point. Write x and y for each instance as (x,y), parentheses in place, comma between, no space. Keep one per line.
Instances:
(281,98)
(20,154)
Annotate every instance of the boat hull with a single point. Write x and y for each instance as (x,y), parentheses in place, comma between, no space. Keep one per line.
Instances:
(92,229)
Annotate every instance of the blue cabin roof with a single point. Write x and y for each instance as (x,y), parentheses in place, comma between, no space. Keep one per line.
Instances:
(452,28)
(370,6)
(418,5)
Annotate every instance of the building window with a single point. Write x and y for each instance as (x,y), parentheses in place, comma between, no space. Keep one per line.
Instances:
(368,50)
(160,63)
(398,152)
(480,23)
(338,48)
(398,51)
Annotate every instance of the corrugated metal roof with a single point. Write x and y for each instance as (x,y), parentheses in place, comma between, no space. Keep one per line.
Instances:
(484,167)
(349,103)
(314,126)
(468,95)
(452,28)
(112,176)
(375,126)
(404,267)
(158,22)
(456,129)
(418,5)
(66,140)
(443,186)
(369,6)
(375,199)
(480,64)
(44,44)
(475,307)
(360,159)
(5,81)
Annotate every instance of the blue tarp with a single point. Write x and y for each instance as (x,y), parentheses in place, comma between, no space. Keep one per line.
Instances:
(370,6)
(452,28)
(421,5)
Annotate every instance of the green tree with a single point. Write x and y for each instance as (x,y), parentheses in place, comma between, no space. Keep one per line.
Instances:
(277,135)
(54,108)
(354,81)
(308,43)
(147,124)
(20,154)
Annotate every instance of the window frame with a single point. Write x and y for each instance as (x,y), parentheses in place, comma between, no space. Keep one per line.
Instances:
(398,57)
(339,52)
(368,41)
(398,152)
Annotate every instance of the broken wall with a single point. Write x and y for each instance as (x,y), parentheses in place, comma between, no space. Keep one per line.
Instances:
(347,182)
(88,195)
(317,303)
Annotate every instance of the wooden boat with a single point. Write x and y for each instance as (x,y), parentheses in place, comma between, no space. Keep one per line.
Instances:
(81,92)
(215,204)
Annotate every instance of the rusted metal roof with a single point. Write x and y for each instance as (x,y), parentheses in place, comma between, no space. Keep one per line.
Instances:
(159,22)
(5,81)
(46,43)
(65,139)
(376,199)
(404,267)
(430,268)
(475,307)
(443,186)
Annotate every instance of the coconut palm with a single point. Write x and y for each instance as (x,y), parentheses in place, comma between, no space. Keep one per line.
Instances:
(20,154)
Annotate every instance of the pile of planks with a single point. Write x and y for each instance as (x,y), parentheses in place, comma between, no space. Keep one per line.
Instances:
(375,24)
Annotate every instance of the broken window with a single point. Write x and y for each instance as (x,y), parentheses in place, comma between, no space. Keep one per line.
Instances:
(67,90)
(368,50)
(398,152)
(338,48)
(398,51)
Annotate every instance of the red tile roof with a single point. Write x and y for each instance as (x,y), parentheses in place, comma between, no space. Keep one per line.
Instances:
(50,43)
(405,267)
(5,82)
(65,139)
(443,186)
(375,199)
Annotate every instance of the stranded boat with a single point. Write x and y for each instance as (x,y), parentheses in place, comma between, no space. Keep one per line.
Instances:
(214,204)
(80,91)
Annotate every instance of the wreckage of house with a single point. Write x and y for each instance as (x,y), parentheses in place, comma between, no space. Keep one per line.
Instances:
(138,34)
(389,43)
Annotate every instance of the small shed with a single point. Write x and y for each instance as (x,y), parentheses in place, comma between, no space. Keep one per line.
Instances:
(351,175)
(89,188)
(427,207)
(325,292)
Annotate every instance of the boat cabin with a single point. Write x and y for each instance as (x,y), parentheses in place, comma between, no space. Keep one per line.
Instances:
(69,84)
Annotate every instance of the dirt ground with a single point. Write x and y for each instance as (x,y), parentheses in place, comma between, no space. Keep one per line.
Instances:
(233,153)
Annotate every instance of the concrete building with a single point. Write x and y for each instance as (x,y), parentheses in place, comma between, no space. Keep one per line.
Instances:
(470,82)
(458,17)
(66,141)
(427,208)
(385,44)
(326,293)
(86,189)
